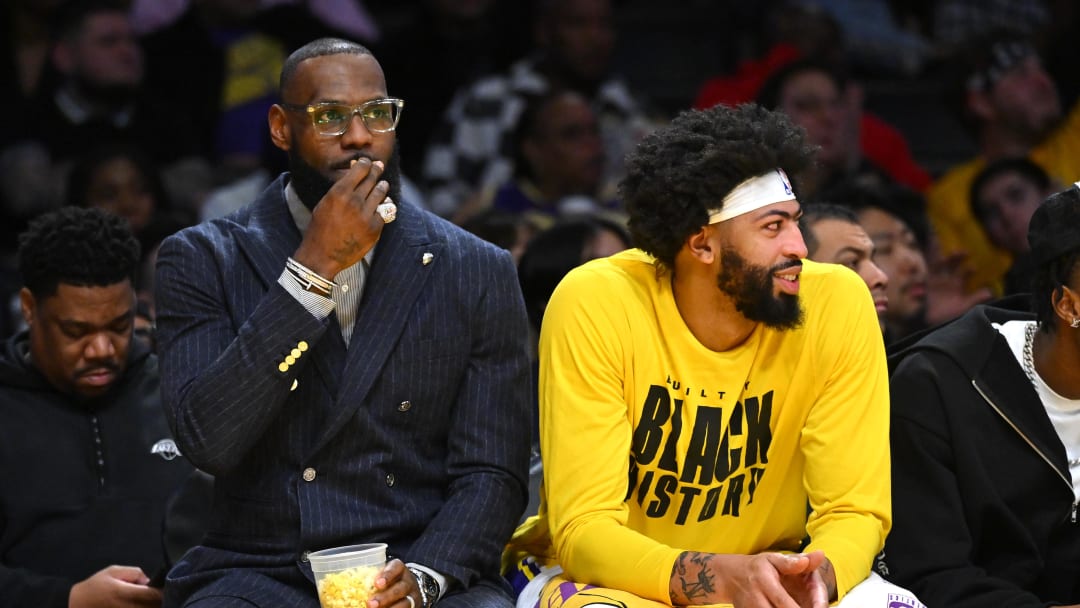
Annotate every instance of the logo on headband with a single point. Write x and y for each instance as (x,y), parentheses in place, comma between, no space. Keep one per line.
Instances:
(787,184)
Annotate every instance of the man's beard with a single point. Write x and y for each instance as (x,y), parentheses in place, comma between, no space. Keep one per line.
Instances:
(311,185)
(751,288)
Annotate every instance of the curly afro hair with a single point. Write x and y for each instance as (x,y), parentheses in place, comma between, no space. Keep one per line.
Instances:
(76,246)
(681,172)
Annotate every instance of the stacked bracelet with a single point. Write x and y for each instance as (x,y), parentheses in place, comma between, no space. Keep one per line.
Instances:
(309,279)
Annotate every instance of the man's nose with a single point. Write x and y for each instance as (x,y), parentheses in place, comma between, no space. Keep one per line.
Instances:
(100,346)
(356,133)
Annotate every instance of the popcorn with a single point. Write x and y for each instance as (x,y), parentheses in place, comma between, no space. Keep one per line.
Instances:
(349,588)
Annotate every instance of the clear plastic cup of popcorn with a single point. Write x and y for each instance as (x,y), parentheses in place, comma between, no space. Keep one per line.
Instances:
(345,576)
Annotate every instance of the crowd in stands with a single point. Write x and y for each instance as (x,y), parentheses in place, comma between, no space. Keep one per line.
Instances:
(531,107)
(519,115)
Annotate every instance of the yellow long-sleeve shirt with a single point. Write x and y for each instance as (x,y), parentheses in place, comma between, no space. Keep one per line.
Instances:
(654,444)
(948,203)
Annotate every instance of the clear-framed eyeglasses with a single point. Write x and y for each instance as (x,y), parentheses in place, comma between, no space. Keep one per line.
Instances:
(332,119)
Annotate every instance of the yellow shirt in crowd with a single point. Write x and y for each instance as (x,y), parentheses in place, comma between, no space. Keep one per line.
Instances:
(948,204)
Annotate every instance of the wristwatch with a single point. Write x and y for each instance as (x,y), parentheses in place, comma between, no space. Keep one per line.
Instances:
(429,587)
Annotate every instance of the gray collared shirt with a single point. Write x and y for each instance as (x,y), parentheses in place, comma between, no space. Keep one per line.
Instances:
(344,299)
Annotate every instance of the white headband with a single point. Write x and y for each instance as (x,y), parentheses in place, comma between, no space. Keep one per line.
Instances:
(754,193)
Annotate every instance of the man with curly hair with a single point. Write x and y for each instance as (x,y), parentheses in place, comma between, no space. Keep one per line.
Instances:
(87,457)
(713,408)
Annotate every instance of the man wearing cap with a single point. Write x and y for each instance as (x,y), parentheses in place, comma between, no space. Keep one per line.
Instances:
(1012,108)
(713,409)
(986,441)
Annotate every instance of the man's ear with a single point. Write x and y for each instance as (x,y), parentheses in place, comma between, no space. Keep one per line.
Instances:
(26,304)
(280,131)
(702,245)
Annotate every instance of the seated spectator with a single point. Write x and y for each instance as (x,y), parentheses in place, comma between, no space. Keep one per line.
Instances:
(833,234)
(448,45)
(924,289)
(470,149)
(806,33)
(558,163)
(101,97)
(120,179)
(89,455)
(812,93)
(1003,197)
(1012,107)
(220,59)
(985,441)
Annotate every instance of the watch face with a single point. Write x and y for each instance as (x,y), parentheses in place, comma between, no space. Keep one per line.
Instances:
(431,588)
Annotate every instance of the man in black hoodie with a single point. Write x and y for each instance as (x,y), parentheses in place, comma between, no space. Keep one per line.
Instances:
(986,441)
(86,457)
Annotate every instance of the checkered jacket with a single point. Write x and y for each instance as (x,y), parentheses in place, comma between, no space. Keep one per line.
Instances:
(472,150)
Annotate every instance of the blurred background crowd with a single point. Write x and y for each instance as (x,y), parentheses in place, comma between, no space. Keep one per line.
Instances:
(941,124)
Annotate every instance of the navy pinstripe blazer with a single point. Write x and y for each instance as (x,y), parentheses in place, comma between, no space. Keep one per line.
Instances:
(416,435)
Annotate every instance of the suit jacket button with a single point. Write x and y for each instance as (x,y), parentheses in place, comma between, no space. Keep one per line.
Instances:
(309,474)
(304,556)
(404,406)
(390,479)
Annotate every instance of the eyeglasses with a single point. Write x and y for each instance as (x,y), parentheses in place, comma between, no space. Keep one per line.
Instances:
(332,119)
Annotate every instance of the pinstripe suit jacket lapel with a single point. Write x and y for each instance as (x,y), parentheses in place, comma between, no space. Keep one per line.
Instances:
(397,277)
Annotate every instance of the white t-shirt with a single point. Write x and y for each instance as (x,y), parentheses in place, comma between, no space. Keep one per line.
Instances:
(1064,413)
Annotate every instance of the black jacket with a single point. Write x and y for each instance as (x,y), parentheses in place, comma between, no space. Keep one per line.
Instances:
(82,485)
(983,507)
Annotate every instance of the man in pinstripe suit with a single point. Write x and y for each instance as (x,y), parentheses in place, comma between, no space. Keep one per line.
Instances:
(349,367)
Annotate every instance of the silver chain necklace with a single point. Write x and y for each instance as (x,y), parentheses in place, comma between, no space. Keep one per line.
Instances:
(1029,369)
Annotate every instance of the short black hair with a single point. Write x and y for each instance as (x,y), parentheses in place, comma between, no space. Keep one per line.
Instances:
(76,246)
(87,165)
(770,92)
(816,212)
(317,48)
(1020,165)
(871,191)
(681,172)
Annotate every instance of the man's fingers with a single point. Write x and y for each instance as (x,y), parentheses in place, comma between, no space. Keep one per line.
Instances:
(128,574)
(371,181)
(816,558)
(140,594)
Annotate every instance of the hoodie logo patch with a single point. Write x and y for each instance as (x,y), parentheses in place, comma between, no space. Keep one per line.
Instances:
(166,448)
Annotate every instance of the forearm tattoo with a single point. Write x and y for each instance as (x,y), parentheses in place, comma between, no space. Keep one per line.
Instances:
(829,577)
(696,579)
